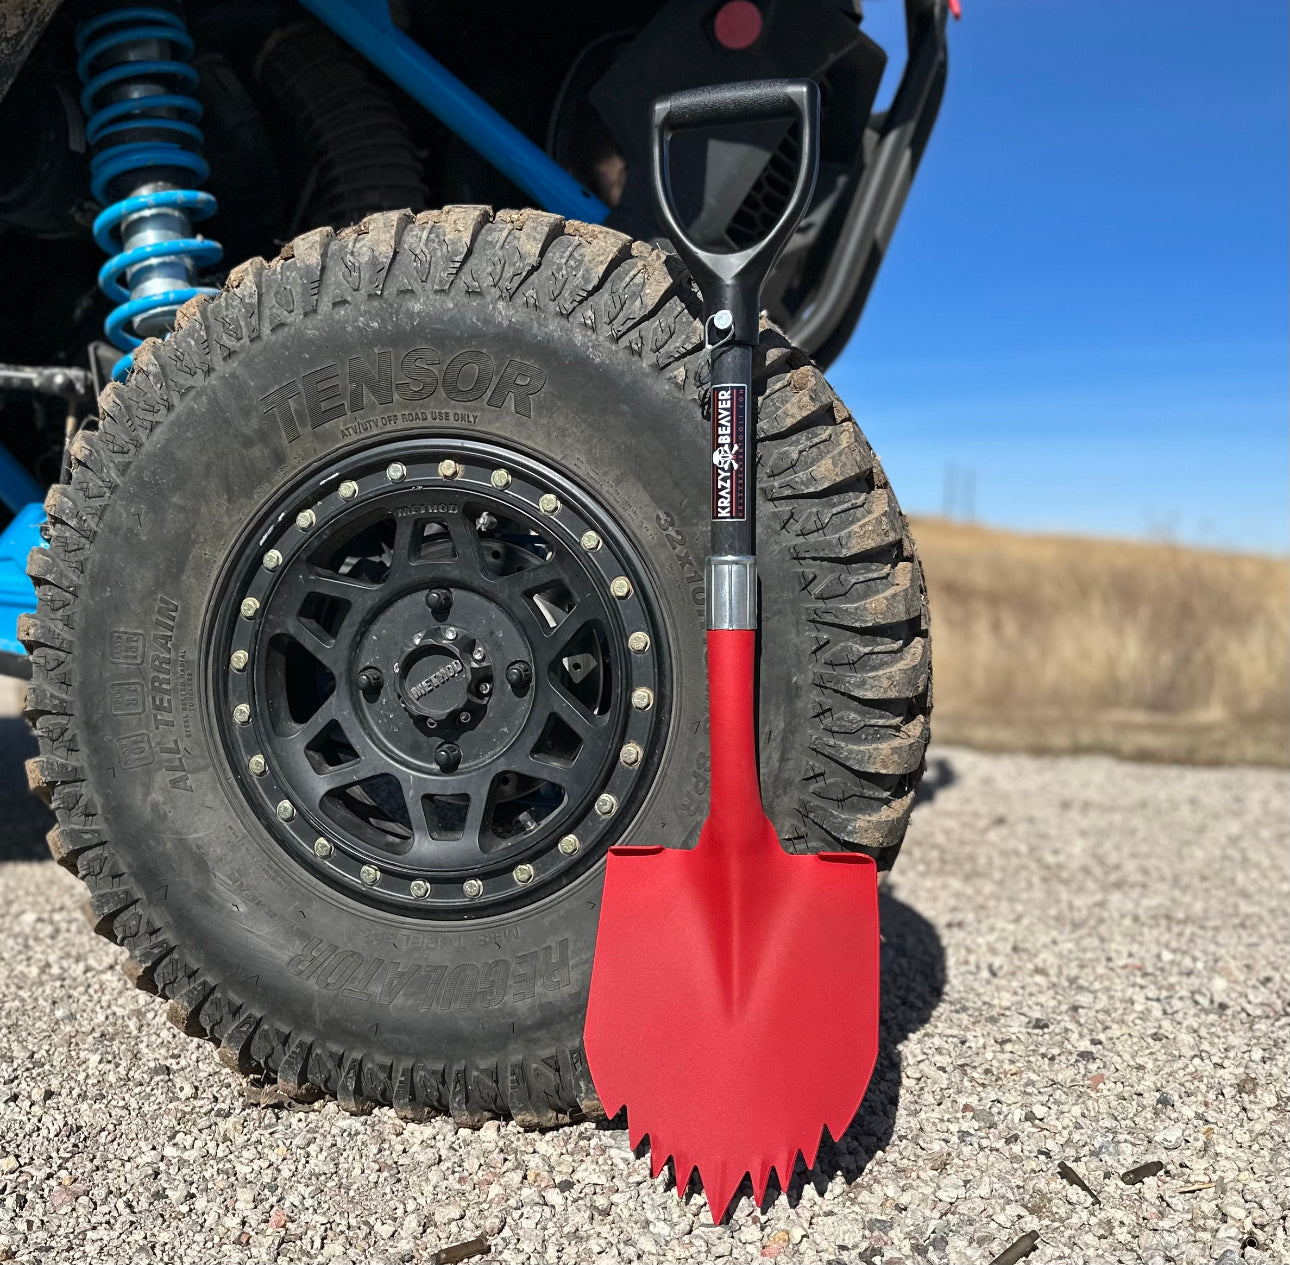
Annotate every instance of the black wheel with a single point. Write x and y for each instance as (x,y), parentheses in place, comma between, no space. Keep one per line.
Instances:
(373,614)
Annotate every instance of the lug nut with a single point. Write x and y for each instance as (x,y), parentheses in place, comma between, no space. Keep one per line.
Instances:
(569,844)
(272,560)
(630,755)
(449,469)
(639,642)
(347,490)
(439,601)
(370,680)
(448,757)
(500,478)
(643,698)
(370,875)
(549,503)
(419,888)
(396,472)
(518,675)
(620,586)
(322,847)
(606,805)
(473,888)
(242,714)
(258,765)
(286,810)
(305,519)
(238,660)
(522,873)
(249,608)
(590,541)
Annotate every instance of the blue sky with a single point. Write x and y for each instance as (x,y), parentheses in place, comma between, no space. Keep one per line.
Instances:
(1084,307)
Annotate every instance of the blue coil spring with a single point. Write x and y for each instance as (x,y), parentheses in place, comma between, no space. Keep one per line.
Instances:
(155,132)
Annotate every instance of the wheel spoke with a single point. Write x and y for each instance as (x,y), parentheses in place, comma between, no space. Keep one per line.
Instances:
(465,539)
(401,562)
(529,579)
(554,642)
(560,775)
(578,717)
(462,853)
(310,636)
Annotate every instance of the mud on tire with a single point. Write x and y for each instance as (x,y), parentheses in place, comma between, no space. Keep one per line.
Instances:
(216,917)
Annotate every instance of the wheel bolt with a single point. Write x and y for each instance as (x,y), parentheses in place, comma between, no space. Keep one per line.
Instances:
(518,675)
(439,601)
(396,472)
(485,689)
(606,805)
(248,608)
(450,634)
(238,660)
(242,714)
(473,888)
(590,541)
(449,469)
(549,503)
(464,717)
(630,755)
(347,490)
(370,875)
(258,765)
(620,586)
(322,847)
(419,888)
(305,519)
(448,757)
(522,873)
(500,478)
(286,810)
(370,680)
(639,642)
(643,698)
(478,654)
(272,560)
(569,844)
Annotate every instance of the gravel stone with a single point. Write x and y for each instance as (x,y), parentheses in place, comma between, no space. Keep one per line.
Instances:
(1083,963)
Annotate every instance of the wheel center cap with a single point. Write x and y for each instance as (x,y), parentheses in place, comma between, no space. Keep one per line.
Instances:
(435,680)
(446,676)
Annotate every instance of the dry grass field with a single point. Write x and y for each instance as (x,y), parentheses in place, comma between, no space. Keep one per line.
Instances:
(1065,644)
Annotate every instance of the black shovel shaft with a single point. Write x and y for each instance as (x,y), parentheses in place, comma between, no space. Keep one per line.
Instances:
(731,284)
(732,407)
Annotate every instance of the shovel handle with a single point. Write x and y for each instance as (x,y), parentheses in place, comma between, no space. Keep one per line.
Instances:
(731,283)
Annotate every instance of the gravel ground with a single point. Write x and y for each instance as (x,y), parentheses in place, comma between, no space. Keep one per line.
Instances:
(1084,966)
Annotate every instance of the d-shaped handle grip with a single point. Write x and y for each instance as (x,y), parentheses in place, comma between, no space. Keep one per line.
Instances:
(732,281)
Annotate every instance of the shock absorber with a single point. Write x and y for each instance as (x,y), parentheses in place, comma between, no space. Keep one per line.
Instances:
(146,150)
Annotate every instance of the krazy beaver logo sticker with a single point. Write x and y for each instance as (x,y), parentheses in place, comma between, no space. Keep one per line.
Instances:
(729,452)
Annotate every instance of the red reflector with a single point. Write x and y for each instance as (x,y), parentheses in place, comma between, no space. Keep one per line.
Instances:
(737,25)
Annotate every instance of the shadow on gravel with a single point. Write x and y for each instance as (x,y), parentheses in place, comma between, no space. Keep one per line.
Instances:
(913,982)
(938,775)
(24,820)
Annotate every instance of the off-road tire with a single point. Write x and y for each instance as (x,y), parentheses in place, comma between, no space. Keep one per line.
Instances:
(216,918)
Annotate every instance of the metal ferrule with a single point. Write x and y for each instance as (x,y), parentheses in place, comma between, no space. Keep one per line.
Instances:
(730,583)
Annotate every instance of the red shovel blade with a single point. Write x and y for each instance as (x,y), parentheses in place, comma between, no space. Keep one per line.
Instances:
(734,993)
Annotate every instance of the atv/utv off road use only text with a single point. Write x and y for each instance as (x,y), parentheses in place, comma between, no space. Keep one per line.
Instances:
(369,605)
